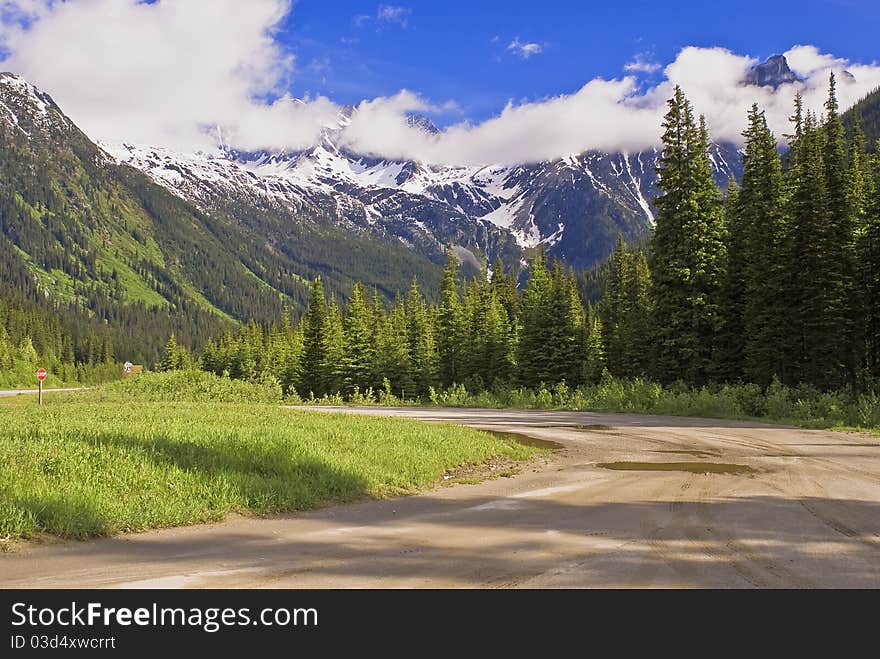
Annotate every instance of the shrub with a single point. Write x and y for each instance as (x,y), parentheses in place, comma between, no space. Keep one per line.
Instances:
(186,386)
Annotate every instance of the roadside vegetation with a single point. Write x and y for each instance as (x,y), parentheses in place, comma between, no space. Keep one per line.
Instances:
(126,458)
(802,406)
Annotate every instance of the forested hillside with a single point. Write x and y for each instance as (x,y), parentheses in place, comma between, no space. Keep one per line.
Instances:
(868,112)
(102,255)
(777,282)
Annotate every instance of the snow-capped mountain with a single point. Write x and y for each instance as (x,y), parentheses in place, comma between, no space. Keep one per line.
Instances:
(575,206)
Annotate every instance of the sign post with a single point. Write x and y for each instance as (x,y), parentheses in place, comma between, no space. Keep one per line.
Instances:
(41,375)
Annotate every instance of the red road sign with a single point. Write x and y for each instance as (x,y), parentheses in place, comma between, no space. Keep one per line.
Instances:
(41,374)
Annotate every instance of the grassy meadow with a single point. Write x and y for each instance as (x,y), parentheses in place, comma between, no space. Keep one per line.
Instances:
(122,459)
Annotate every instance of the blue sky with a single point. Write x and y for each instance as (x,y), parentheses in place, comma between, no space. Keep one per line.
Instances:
(507,81)
(459,50)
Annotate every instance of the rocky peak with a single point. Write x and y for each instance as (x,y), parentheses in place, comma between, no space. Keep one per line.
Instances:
(772,73)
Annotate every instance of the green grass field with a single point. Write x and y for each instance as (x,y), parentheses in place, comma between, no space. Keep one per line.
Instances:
(78,468)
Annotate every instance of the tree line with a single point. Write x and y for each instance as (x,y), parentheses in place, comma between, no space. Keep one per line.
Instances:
(480,333)
(779,278)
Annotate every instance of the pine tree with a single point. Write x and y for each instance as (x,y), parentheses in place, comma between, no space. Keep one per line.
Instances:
(504,287)
(594,363)
(358,360)
(492,349)
(392,352)
(422,346)
(315,339)
(636,330)
(612,308)
(568,348)
(859,198)
(499,347)
(729,356)
(758,258)
(450,325)
(809,234)
(859,179)
(473,344)
(171,357)
(840,246)
(332,370)
(535,357)
(624,311)
(687,250)
(869,258)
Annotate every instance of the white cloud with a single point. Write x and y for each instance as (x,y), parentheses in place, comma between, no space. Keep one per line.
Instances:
(807,60)
(163,73)
(167,73)
(608,115)
(642,63)
(393,14)
(525,50)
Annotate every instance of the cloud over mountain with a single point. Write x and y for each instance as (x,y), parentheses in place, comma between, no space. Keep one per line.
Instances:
(169,73)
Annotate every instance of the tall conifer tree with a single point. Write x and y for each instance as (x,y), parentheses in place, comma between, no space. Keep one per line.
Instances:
(758,259)
(315,335)
(687,251)
(450,325)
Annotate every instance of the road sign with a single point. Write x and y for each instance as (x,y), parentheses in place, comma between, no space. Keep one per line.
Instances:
(41,375)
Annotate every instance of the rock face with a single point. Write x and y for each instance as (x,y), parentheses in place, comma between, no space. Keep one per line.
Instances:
(212,242)
(772,73)
(576,207)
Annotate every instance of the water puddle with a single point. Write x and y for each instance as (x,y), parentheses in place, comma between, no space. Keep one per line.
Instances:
(689,467)
(593,427)
(694,452)
(525,440)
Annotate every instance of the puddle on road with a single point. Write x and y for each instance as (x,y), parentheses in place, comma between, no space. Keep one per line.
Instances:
(525,440)
(694,452)
(689,467)
(593,427)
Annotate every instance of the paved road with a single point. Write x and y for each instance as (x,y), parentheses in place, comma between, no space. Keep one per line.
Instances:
(808,516)
(16,392)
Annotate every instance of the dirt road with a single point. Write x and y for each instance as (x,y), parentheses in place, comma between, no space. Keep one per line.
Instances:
(799,509)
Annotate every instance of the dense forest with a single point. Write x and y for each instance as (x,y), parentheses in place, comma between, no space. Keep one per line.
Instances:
(866,113)
(93,253)
(779,280)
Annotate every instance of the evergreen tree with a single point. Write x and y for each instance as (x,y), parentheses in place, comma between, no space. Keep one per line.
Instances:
(492,349)
(859,199)
(332,371)
(175,358)
(808,229)
(568,329)
(422,346)
(840,275)
(450,326)
(169,358)
(504,287)
(612,307)
(359,357)
(687,249)
(758,258)
(535,358)
(594,363)
(624,311)
(729,356)
(392,352)
(869,253)
(316,330)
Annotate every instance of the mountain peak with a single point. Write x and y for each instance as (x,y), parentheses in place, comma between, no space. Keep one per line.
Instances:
(772,73)
(27,107)
(420,121)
